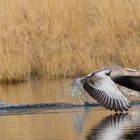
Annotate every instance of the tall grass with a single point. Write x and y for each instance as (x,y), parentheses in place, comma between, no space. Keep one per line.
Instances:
(66,38)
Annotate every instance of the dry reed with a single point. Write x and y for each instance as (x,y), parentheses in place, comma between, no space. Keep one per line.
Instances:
(66,38)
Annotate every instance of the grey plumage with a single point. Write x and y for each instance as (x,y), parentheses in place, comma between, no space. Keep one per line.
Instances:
(105,86)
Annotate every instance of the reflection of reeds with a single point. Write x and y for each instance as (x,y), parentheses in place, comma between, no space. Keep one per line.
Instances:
(61,38)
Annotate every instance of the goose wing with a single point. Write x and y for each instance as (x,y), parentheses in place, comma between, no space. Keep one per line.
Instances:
(105,91)
(131,82)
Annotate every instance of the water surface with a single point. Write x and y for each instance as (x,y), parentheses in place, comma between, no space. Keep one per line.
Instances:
(78,123)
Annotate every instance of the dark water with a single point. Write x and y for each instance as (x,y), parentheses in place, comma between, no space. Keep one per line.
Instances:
(70,123)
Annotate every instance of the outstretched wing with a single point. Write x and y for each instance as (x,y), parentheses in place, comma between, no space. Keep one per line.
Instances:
(131,82)
(105,91)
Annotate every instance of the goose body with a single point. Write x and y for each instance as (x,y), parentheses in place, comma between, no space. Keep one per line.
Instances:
(110,86)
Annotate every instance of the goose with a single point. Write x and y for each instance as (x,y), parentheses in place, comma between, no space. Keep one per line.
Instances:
(111,86)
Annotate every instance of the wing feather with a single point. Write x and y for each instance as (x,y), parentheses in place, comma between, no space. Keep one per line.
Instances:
(105,91)
(109,103)
(131,82)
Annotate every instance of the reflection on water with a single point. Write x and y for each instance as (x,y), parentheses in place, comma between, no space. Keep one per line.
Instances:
(41,91)
(110,127)
(117,127)
(91,123)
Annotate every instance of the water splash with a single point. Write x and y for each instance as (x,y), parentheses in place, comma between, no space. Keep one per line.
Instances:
(78,93)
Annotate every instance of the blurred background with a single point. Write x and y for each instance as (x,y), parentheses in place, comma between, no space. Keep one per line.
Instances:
(66,38)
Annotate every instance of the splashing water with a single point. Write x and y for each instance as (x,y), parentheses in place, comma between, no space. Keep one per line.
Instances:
(78,93)
(3,104)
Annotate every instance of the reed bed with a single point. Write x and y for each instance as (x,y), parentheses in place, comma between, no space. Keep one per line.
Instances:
(66,38)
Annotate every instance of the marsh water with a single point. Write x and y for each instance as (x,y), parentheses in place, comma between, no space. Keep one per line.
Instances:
(66,123)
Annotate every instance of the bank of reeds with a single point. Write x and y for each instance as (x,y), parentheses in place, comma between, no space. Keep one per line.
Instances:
(66,38)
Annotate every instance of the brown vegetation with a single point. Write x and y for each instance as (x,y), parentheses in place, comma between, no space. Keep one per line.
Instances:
(64,38)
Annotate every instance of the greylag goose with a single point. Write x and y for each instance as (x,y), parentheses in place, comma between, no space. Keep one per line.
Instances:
(111,86)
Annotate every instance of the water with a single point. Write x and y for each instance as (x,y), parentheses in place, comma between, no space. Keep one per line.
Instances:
(71,123)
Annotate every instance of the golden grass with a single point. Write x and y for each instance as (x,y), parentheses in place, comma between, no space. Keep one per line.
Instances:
(66,38)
